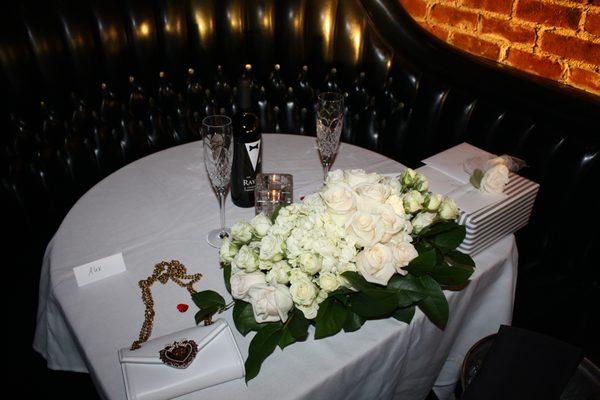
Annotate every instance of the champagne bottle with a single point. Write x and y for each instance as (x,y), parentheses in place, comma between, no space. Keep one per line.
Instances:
(277,87)
(247,151)
(331,83)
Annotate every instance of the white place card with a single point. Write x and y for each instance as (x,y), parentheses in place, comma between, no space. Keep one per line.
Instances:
(99,269)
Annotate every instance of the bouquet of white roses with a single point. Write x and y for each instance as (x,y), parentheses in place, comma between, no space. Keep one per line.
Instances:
(365,246)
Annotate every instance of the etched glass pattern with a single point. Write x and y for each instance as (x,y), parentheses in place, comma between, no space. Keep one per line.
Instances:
(330,116)
(217,141)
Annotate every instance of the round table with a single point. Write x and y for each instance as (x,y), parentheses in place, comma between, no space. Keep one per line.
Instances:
(161,207)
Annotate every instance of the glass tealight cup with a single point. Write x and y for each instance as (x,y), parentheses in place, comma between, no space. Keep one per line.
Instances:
(273,190)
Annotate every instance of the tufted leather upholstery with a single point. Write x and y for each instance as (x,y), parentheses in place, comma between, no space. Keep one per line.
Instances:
(409,96)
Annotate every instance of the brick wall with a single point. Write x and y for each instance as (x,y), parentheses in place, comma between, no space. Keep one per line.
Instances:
(557,39)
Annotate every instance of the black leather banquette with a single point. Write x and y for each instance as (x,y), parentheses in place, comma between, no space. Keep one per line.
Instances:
(91,85)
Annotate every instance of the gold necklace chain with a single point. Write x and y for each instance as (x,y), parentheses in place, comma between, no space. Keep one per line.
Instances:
(163,272)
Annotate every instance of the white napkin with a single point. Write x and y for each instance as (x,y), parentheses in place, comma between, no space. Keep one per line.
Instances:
(218,360)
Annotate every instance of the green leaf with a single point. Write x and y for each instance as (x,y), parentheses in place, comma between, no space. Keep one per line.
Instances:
(353,322)
(435,305)
(205,313)
(405,314)
(297,325)
(422,247)
(261,347)
(409,289)
(369,306)
(330,318)
(437,227)
(476,178)
(451,276)
(208,299)
(423,264)
(243,318)
(227,276)
(450,239)
(275,213)
(357,281)
(286,339)
(459,259)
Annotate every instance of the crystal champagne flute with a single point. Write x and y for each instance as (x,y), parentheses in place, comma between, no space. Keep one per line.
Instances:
(330,116)
(217,138)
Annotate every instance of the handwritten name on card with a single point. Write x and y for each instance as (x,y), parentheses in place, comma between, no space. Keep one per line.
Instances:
(99,269)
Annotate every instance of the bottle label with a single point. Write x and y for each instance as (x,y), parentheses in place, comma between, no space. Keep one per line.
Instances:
(253,150)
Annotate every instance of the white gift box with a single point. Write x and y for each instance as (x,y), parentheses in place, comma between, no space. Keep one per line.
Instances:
(218,360)
(490,224)
(487,218)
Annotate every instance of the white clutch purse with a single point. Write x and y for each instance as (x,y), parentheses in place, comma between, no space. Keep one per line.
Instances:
(215,358)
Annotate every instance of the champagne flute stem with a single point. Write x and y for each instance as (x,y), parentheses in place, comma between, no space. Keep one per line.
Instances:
(222,197)
(325,170)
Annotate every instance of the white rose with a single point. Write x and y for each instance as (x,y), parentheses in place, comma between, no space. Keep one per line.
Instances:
(423,220)
(279,272)
(296,274)
(403,253)
(389,222)
(336,176)
(402,236)
(376,264)
(270,302)
(293,245)
(340,201)
(495,179)
(421,183)
(355,177)
(413,201)
(397,204)
(496,161)
(271,248)
(303,292)
(228,251)
(448,209)
(371,195)
(362,227)
(310,311)
(310,263)
(328,282)
(242,231)
(407,177)
(393,183)
(245,259)
(241,283)
(329,264)
(261,224)
(433,201)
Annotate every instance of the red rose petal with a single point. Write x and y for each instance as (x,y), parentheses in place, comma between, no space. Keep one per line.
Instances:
(182,307)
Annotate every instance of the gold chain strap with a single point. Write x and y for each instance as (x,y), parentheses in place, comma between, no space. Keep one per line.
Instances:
(163,272)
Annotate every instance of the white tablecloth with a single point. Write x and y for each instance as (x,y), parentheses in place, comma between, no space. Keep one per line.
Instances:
(161,207)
